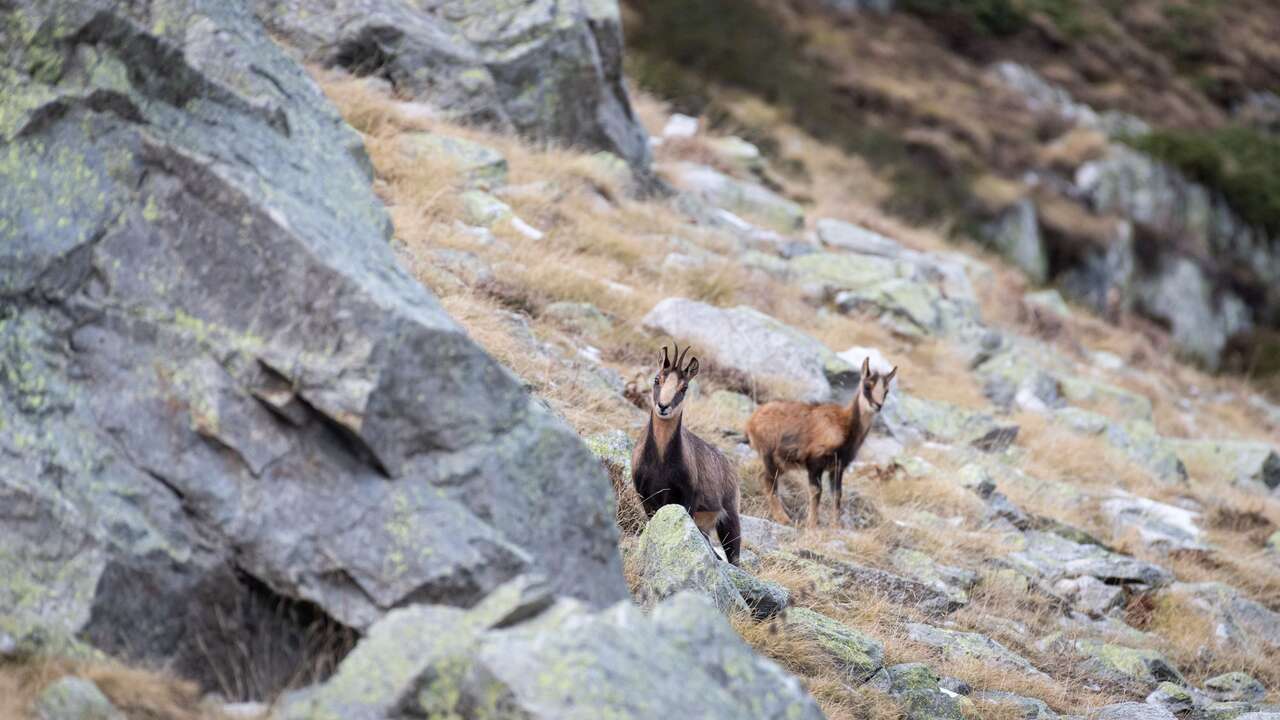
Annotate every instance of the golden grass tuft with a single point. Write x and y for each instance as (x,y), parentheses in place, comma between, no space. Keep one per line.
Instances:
(138,693)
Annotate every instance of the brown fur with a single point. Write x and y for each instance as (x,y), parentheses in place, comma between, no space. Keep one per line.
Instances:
(817,437)
(671,465)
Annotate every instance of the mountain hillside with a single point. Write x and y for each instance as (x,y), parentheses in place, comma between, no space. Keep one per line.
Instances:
(325,329)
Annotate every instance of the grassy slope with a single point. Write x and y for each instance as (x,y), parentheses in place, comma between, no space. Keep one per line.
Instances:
(604,248)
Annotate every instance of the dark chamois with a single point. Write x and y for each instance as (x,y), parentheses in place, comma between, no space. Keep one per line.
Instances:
(817,437)
(671,465)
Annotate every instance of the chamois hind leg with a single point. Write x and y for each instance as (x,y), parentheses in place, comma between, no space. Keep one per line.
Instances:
(815,495)
(730,531)
(706,522)
(777,513)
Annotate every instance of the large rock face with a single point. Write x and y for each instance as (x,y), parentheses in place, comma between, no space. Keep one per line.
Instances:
(549,69)
(220,387)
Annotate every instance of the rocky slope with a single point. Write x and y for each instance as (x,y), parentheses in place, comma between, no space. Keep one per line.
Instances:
(273,385)
(1120,150)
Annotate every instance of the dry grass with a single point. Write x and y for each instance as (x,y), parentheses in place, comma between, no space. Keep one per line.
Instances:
(1190,638)
(138,693)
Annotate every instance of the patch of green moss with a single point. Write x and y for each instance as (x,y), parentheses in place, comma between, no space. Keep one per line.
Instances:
(1240,163)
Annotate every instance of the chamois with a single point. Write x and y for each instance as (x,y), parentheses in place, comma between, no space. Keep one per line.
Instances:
(817,437)
(671,465)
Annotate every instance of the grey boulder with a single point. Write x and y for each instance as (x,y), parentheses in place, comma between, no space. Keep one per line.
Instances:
(225,393)
(550,70)
(674,556)
(554,661)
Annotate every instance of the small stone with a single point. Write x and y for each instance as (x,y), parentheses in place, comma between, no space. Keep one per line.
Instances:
(519,225)
(682,263)
(765,536)
(765,598)
(1048,301)
(246,710)
(482,209)
(1090,594)
(917,689)
(481,165)
(73,698)
(1173,697)
(680,126)
(583,317)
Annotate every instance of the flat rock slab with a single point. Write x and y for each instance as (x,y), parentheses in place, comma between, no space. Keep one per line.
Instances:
(953,581)
(1050,556)
(954,643)
(1249,464)
(747,340)
(738,196)
(1131,711)
(1159,526)
(837,576)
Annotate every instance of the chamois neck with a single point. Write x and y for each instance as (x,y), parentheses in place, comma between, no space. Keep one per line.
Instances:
(664,430)
(862,416)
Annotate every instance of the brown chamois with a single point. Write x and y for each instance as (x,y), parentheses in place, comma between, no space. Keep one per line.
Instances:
(671,465)
(817,437)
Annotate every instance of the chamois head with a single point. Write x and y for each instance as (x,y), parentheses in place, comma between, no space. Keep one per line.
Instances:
(671,382)
(874,387)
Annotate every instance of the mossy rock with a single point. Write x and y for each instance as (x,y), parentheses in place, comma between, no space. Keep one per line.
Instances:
(1121,664)
(673,555)
(855,655)
(74,698)
(1234,686)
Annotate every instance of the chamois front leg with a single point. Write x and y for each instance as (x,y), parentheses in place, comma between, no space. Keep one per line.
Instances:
(815,495)
(837,488)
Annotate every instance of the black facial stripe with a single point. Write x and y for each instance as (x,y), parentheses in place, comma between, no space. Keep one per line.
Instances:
(679,396)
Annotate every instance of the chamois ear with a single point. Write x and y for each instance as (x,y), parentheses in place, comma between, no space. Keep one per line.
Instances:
(666,362)
(866,368)
(692,369)
(889,378)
